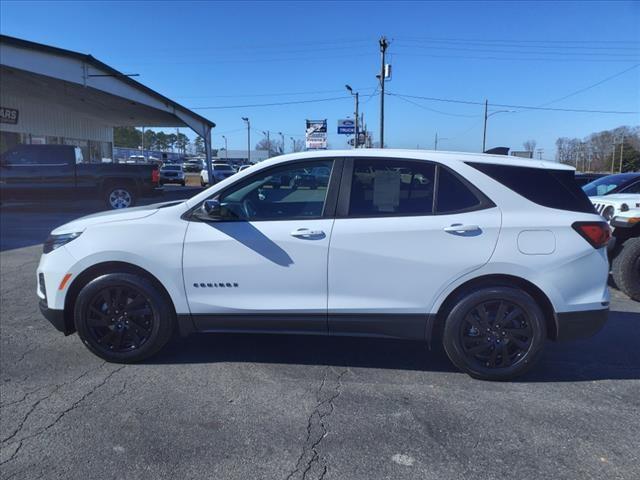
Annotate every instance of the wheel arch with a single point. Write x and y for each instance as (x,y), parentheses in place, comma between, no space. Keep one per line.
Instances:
(104,268)
(493,280)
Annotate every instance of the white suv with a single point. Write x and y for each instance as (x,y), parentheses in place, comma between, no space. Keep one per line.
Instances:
(492,255)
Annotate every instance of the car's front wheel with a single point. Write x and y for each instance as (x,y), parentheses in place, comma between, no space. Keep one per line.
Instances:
(625,268)
(495,333)
(122,317)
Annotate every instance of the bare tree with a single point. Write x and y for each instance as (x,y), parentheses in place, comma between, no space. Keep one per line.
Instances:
(298,145)
(530,145)
(274,147)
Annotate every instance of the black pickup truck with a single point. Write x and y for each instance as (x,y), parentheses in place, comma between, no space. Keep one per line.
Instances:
(51,172)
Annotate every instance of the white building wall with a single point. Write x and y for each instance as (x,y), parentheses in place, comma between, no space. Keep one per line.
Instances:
(40,117)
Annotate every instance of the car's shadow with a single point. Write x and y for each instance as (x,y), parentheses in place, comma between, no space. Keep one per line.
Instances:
(611,354)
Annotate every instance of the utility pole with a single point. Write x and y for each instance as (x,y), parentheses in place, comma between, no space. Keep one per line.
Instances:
(621,150)
(226,150)
(613,156)
(282,138)
(246,119)
(435,144)
(383,49)
(484,135)
(357,130)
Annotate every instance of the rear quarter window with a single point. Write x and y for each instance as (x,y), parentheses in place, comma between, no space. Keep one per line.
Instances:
(547,187)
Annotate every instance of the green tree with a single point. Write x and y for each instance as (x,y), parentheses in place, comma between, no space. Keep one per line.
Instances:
(630,158)
(162,142)
(128,137)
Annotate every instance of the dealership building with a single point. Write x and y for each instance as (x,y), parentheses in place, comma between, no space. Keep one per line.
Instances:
(49,95)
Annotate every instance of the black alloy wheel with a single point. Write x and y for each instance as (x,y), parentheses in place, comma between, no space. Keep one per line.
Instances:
(123,317)
(120,319)
(495,333)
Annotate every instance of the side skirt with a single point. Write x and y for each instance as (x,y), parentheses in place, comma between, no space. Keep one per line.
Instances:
(386,325)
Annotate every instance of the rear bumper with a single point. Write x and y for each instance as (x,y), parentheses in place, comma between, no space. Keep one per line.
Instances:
(56,318)
(576,325)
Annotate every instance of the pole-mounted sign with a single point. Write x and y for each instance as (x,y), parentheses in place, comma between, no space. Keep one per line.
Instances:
(346,127)
(316,134)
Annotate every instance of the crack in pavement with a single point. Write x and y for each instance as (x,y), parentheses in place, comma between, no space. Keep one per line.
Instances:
(316,428)
(6,442)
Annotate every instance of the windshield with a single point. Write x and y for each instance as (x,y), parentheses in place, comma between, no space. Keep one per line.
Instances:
(604,185)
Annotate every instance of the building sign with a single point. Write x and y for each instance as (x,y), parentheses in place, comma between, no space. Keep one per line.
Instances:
(346,127)
(9,115)
(316,134)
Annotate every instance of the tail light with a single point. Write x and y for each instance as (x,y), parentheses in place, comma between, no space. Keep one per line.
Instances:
(155,176)
(596,233)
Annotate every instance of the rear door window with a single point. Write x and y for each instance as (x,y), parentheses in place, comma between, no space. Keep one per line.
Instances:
(547,187)
(453,195)
(383,187)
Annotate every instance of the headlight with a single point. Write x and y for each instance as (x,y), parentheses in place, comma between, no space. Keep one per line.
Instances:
(608,213)
(624,207)
(55,241)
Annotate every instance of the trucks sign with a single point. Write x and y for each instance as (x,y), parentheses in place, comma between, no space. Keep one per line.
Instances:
(346,127)
(9,115)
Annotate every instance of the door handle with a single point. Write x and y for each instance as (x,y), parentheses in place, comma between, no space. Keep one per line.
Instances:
(306,233)
(459,228)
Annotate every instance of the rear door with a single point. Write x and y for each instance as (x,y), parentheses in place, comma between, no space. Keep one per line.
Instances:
(404,230)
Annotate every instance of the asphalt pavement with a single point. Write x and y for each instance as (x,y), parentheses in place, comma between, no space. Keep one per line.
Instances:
(271,407)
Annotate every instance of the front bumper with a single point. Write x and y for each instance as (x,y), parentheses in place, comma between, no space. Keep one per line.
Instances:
(576,325)
(57,318)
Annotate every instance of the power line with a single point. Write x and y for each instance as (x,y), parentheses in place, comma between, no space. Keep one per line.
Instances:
(274,104)
(519,59)
(524,107)
(521,52)
(274,94)
(590,86)
(557,42)
(402,97)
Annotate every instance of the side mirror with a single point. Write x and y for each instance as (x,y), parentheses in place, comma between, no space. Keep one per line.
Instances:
(211,209)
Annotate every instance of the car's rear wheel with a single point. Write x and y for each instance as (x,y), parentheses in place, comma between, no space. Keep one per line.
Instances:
(495,333)
(625,268)
(122,317)
(119,196)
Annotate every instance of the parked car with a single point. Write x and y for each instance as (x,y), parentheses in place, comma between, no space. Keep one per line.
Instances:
(622,211)
(312,178)
(611,184)
(193,166)
(172,174)
(584,178)
(220,172)
(47,172)
(492,256)
(243,167)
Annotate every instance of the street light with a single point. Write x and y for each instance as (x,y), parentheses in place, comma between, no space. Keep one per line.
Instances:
(486,116)
(246,119)
(282,138)
(226,150)
(355,94)
(293,144)
(268,142)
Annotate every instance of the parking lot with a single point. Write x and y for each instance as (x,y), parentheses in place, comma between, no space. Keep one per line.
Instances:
(245,407)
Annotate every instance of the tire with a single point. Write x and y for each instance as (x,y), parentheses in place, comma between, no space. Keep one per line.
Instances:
(143,324)
(625,268)
(119,196)
(489,351)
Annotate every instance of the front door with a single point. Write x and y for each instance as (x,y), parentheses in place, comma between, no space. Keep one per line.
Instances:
(408,230)
(264,265)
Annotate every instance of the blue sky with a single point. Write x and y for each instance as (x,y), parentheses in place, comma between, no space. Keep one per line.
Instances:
(213,54)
